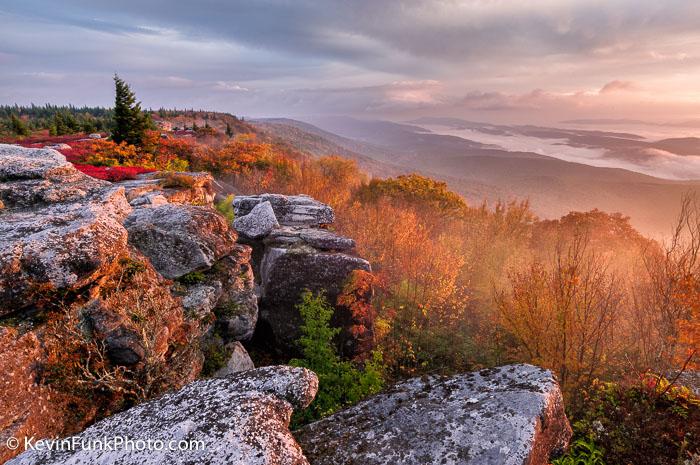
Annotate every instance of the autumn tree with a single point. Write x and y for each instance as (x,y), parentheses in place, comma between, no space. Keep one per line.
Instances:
(130,123)
(564,314)
(666,316)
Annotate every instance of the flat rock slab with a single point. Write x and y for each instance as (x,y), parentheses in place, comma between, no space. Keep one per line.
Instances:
(320,239)
(512,415)
(290,210)
(242,419)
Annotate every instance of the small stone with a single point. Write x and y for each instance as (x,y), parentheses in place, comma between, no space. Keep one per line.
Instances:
(238,361)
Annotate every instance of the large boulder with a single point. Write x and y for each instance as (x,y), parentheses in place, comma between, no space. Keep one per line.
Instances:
(290,210)
(180,239)
(287,272)
(242,419)
(60,230)
(512,415)
(258,223)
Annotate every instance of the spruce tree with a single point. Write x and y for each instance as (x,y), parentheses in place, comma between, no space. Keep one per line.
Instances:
(130,123)
(17,126)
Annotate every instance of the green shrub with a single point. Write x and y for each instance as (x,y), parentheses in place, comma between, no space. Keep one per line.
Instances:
(216,356)
(340,382)
(131,267)
(225,207)
(649,422)
(582,451)
(193,277)
(228,310)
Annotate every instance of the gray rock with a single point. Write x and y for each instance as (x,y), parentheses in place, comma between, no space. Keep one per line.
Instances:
(512,415)
(238,317)
(238,361)
(237,308)
(241,419)
(153,199)
(290,210)
(199,300)
(179,239)
(258,223)
(59,229)
(286,273)
(320,239)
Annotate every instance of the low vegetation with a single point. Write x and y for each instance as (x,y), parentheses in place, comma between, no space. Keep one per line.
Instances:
(341,383)
(461,287)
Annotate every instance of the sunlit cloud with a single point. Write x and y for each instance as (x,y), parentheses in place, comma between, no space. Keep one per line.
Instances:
(498,59)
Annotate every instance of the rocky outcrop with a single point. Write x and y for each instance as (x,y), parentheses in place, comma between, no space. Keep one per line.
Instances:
(158,188)
(290,210)
(180,239)
(84,313)
(299,255)
(512,415)
(242,419)
(60,230)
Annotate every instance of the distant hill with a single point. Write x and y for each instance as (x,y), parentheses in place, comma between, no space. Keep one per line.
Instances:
(317,142)
(679,146)
(480,172)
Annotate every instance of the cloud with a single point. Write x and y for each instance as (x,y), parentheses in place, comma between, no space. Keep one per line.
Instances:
(617,86)
(229,87)
(338,56)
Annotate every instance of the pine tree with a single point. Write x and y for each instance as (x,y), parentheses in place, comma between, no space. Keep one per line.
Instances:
(130,123)
(17,126)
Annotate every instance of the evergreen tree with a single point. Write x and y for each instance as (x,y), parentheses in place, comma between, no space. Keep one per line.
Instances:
(17,126)
(130,123)
(340,383)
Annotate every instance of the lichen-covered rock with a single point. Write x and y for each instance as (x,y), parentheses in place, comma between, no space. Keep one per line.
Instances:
(512,415)
(199,300)
(238,361)
(242,419)
(60,230)
(320,239)
(258,223)
(237,308)
(25,406)
(290,210)
(180,239)
(287,272)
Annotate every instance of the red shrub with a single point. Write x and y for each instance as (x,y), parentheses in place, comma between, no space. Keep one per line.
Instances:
(112,173)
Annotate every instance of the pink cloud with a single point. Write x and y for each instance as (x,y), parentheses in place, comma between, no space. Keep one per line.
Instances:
(617,86)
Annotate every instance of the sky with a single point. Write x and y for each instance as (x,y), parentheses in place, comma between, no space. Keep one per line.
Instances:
(507,61)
